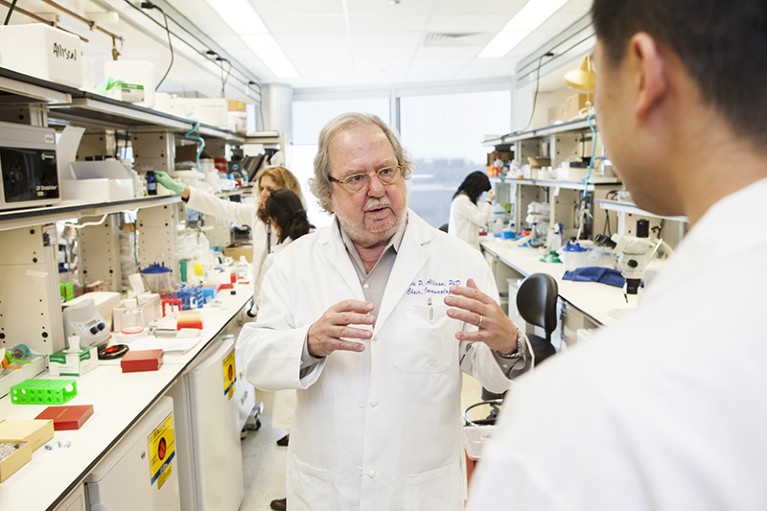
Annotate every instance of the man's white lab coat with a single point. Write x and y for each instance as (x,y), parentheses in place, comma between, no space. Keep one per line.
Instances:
(666,409)
(381,429)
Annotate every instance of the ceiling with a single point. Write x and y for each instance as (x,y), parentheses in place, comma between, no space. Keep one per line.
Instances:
(354,44)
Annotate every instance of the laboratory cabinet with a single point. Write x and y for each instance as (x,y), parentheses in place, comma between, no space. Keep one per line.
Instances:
(140,472)
(208,432)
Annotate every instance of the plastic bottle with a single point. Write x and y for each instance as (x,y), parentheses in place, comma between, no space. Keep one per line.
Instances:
(151,183)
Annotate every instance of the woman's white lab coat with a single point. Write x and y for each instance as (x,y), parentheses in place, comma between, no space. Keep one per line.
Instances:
(244,214)
(381,429)
(467,218)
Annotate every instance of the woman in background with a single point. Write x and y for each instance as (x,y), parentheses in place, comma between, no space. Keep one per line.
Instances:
(250,214)
(466,216)
(285,212)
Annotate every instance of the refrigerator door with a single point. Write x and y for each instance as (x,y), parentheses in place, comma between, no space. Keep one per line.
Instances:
(140,472)
(215,428)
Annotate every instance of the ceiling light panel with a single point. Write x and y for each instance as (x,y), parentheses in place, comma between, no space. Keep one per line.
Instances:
(532,15)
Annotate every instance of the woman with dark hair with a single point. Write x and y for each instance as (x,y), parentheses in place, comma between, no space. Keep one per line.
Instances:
(285,212)
(466,217)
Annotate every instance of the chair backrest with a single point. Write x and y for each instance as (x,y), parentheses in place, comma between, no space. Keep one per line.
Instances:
(537,302)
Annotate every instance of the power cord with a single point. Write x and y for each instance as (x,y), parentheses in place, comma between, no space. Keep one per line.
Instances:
(10,11)
(537,88)
(150,5)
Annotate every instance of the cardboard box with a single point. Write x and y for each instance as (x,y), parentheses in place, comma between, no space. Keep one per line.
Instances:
(235,106)
(237,122)
(506,156)
(241,250)
(22,455)
(576,106)
(66,417)
(42,51)
(141,360)
(35,431)
(63,363)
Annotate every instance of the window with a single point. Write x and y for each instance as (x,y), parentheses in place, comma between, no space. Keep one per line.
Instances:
(309,117)
(443,134)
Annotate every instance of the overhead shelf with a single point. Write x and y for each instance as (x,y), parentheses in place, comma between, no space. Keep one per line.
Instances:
(19,218)
(267,138)
(568,185)
(93,110)
(26,88)
(105,112)
(628,207)
(553,129)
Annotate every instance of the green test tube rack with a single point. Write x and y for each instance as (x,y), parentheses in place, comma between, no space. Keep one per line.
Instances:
(43,392)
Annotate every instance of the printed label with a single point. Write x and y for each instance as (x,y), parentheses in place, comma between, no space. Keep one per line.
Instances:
(162,450)
(230,375)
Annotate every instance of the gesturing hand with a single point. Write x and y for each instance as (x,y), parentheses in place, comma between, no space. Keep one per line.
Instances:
(475,307)
(325,334)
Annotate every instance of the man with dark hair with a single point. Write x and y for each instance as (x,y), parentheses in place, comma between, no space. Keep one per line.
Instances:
(666,409)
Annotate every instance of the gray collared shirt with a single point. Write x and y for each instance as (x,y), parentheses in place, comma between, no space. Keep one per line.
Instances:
(373,287)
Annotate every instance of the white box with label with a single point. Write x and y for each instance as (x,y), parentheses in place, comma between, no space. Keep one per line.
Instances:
(43,52)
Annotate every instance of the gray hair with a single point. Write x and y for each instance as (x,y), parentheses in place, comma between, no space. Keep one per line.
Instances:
(321,184)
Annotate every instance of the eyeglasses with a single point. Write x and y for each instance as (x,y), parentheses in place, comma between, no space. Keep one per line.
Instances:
(358,182)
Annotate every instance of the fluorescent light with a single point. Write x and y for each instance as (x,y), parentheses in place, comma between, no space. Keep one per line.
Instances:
(239,15)
(530,17)
(271,54)
(246,23)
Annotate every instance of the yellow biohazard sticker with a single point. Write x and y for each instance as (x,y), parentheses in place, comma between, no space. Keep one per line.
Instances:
(162,450)
(230,375)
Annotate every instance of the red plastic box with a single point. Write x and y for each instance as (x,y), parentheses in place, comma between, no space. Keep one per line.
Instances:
(141,360)
(67,416)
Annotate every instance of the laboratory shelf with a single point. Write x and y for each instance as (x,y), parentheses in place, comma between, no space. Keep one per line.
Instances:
(28,87)
(628,207)
(567,185)
(19,218)
(510,138)
(82,108)
(100,111)
(263,137)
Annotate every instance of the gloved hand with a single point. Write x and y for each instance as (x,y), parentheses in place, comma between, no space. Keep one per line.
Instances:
(168,182)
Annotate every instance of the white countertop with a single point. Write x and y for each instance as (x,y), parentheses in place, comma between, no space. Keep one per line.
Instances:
(118,400)
(601,302)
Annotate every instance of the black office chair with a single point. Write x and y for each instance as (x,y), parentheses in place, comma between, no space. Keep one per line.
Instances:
(443,227)
(537,304)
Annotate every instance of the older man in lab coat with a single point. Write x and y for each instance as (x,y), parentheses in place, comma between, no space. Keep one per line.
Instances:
(364,318)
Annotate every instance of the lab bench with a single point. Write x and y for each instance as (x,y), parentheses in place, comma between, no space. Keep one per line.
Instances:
(585,305)
(53,479)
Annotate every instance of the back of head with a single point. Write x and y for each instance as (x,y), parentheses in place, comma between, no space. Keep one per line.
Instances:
(474,185)
(722,45)
(287,210)
(320,185)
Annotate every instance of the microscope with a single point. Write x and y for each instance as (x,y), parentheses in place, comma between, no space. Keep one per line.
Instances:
(634,254)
